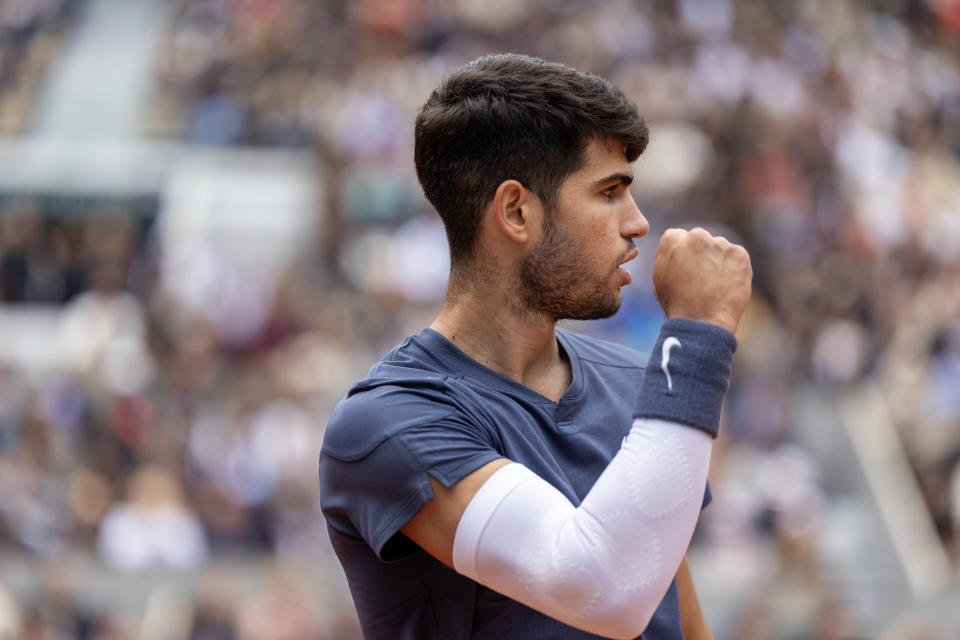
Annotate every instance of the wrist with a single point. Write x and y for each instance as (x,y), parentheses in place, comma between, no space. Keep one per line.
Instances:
(722,320)
(688,374)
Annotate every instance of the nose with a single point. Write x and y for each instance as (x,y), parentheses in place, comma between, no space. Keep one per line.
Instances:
(634,224)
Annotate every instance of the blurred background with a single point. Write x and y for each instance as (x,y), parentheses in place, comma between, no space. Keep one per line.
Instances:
(210,226)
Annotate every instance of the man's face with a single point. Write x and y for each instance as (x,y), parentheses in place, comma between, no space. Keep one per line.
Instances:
(574,270)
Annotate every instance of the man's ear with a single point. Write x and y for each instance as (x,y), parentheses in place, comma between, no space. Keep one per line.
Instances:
(516,210)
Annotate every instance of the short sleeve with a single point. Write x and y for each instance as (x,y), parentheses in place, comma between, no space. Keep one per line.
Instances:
(377,455)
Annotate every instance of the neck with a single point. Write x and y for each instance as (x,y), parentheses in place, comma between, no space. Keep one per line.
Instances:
(522,347)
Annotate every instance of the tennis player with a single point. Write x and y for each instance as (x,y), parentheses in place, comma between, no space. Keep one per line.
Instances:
(495,476)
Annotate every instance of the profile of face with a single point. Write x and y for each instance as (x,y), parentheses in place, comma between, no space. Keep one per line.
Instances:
(574,270)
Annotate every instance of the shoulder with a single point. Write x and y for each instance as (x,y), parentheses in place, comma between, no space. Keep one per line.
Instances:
(404,389)
(602,352)
(377,408)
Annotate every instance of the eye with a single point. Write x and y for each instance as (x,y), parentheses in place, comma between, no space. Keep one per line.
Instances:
(608,193)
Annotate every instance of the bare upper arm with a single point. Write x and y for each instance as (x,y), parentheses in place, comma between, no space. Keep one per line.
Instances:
(435,525)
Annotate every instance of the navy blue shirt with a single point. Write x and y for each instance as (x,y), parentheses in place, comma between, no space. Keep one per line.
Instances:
(428,409)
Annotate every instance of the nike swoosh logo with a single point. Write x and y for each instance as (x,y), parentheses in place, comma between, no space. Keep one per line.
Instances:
(668,344)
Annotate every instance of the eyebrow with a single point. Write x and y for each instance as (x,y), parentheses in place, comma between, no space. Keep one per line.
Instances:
(623,178)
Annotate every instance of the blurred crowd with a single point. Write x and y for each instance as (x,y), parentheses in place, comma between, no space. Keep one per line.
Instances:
(31,32)
(823,135)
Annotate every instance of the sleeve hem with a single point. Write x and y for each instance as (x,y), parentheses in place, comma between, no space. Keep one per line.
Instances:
(415,502)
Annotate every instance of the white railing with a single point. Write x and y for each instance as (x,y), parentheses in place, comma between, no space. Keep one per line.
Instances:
(877,445)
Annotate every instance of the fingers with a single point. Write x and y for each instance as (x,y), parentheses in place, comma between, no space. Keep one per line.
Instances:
(703,277)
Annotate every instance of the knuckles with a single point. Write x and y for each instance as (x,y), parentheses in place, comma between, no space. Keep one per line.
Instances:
(700,234)
(699,239)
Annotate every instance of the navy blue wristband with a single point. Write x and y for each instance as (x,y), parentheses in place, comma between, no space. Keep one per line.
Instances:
(688,374)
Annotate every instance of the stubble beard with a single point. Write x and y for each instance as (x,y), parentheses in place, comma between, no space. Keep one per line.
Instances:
(555,280)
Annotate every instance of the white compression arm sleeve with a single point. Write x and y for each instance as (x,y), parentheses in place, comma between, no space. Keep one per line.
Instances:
(604,566)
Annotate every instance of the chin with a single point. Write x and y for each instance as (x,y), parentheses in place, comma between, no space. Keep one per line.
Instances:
(598,310)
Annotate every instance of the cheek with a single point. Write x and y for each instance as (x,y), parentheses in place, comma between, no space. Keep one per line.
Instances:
(598,257)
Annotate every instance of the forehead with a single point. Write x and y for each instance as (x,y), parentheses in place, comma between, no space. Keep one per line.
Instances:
(602,157)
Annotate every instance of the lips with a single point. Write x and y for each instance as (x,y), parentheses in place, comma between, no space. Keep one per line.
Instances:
(633,253)
(627,276)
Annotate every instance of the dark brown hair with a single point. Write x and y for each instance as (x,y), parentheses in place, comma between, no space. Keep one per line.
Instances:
(510,116)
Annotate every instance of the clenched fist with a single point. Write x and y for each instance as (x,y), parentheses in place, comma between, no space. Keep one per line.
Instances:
(702,277)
